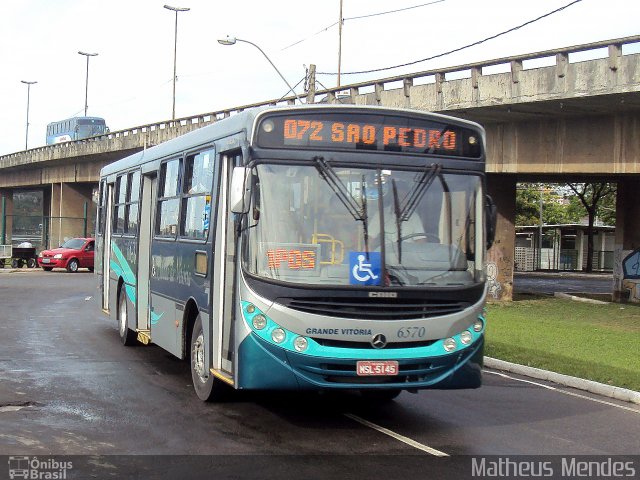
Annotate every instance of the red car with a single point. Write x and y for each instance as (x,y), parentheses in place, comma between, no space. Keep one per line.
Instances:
(73,254)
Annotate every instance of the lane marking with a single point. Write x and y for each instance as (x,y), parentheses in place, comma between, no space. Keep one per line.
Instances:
(397,436)
(565,392)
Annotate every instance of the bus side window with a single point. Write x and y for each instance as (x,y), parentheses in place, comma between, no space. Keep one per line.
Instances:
(119,207)
(168,199)
(197,199)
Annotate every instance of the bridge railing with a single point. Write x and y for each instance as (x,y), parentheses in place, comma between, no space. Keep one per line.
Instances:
(406,81)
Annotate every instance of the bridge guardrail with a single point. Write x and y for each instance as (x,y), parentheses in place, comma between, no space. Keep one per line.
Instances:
(515,62)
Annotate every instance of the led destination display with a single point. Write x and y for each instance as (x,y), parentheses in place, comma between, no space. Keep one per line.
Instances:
(353,131)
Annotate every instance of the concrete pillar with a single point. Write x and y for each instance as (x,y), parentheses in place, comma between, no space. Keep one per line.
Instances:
(626,286)
(502,189)
(6,221)
(580,247)
(70,212)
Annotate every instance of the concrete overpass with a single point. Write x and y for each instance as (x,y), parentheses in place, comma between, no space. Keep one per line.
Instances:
(566,120)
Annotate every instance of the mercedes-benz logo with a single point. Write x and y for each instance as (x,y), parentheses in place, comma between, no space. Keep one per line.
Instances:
(379,341)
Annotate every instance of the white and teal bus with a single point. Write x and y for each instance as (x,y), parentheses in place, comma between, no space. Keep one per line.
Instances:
(304,247)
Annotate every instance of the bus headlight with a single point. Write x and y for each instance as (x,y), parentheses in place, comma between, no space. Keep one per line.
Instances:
(478,325)
(465,337)
(278,335)
(300,344)
(259,321)
(450,344)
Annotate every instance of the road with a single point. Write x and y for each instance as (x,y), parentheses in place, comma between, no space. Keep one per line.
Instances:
(68,387)
(548,283)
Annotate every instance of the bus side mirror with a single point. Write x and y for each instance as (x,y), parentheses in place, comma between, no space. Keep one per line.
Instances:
(491,219)
(240,195)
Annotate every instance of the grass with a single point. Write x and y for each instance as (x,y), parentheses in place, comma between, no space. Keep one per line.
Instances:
(595,342)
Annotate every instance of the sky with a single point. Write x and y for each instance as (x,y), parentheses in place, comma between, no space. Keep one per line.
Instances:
(130,81)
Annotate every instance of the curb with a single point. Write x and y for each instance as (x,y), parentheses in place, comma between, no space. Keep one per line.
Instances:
(568,296)
(579,383)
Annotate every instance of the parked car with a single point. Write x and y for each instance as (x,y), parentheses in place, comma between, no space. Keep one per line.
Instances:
(72,254)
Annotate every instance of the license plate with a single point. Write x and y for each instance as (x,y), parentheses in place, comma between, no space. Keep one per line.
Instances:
(377,368)
(45,260)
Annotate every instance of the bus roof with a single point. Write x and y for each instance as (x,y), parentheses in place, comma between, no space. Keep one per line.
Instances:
(76,118)
(244,121)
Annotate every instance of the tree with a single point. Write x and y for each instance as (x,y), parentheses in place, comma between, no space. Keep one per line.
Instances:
(594,197)
(528,205)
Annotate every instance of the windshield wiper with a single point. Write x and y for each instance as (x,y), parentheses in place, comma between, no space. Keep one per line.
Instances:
(396,211)
(358,212)
(412,199)
(329,175)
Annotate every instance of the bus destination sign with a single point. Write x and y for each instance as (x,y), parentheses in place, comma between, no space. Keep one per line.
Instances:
(352,131)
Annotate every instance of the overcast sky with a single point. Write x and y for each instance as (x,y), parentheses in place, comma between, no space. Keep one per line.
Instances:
(130,80)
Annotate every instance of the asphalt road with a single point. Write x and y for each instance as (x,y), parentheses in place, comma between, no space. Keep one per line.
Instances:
(547,283)
(68,387)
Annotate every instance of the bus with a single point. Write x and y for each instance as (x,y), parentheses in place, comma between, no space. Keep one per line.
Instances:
(316,247)
(75,128)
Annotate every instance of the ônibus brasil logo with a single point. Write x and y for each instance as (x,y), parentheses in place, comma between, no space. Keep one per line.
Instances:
(36,469)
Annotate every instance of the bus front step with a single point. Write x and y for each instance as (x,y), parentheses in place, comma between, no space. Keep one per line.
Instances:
(224,376)
(144,336)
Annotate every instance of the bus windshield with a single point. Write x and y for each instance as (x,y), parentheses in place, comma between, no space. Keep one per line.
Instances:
(343,226)
(90,128)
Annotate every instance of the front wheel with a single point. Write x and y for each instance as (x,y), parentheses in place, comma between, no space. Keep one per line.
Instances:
(207,387)
(127,336)
(72,266)
(31,263)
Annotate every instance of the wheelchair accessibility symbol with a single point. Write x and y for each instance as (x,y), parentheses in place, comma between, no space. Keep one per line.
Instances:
(364,268)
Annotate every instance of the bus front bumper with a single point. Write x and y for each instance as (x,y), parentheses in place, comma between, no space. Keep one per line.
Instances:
(265,366)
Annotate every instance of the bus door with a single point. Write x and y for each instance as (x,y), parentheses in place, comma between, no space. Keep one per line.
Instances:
(106,202)
(224,279)
(149,185)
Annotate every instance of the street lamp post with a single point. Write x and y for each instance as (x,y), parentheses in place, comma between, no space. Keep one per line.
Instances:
(26,141)
(175,53)
(86,84)
(232,40)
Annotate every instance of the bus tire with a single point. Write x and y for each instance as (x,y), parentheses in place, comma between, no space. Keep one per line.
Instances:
(127,336)
(207,387)
(380,396)
(31,263)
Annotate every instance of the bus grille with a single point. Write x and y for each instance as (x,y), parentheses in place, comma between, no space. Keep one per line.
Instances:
(345,372)
(373,308)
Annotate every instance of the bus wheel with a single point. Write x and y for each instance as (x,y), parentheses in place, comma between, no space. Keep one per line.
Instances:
(380,396)
(127,336)
(207,387)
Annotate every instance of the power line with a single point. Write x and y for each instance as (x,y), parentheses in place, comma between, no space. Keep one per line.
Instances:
(392,11)
(459,48)
(360,17)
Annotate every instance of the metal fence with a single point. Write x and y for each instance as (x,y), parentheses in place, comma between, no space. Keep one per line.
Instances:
(529,259)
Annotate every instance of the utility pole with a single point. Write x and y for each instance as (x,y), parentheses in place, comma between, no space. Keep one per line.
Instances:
(175,54)
(311,84)
(28,84)
(86,83)
(339,42)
